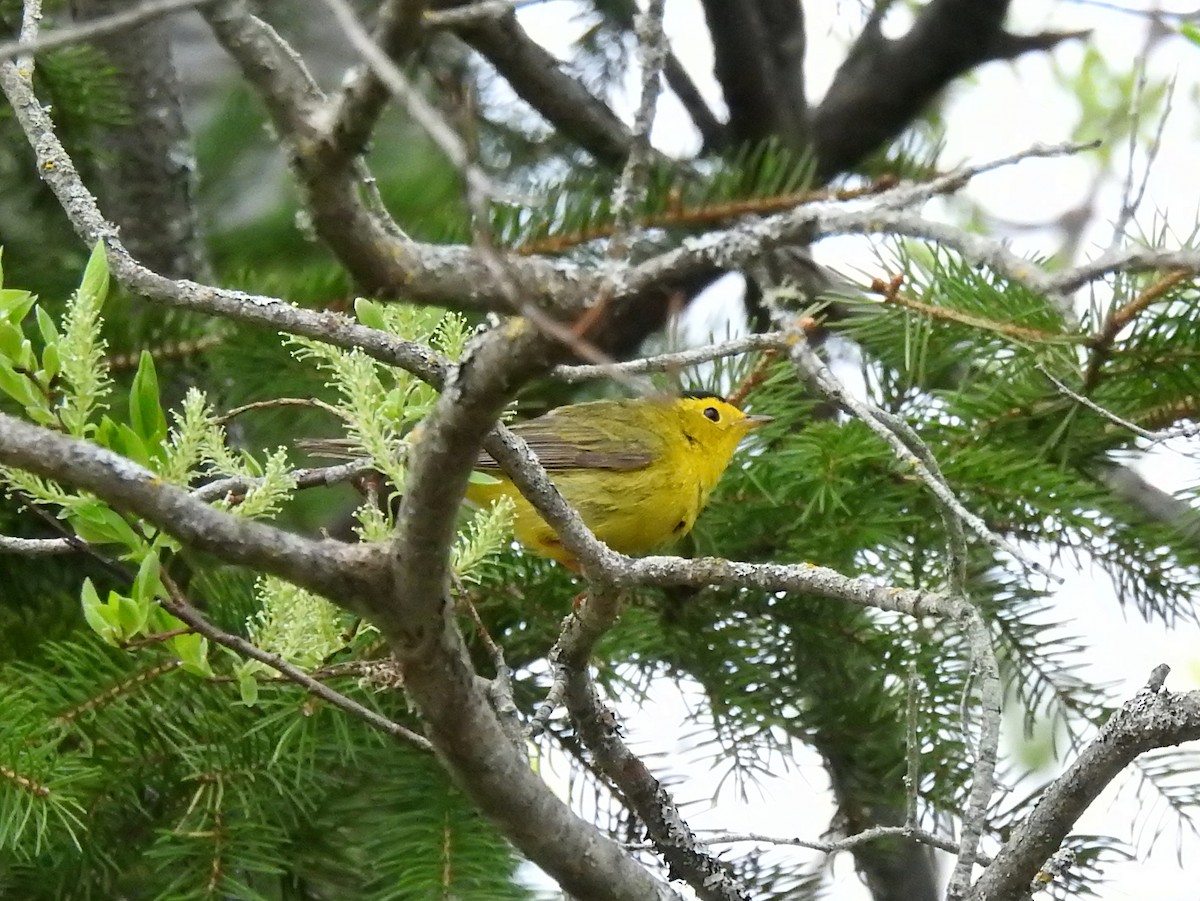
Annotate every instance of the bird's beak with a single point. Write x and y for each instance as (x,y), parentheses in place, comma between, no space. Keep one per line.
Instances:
(753,422)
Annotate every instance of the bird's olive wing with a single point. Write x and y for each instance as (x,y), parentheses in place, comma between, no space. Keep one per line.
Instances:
(584,442)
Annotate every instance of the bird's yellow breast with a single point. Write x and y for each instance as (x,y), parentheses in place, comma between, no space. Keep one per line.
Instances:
(631,512)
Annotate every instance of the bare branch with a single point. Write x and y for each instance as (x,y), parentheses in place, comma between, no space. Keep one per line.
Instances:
(540,81)
(884,83)
(39,547)
(422,113)
(59,172)
(370,245)
(363,96)
(179,607)
(758,49)
(983,782)
(712,130)
(671,362)
(115,23)
(470,740)
(908,447)
(887,212)
(31,21)
(1155,437)
(1123,259)
(848,843)
(341,572)
(652,49)
(474,12)
(687,858)
(1153,718)
(319,477)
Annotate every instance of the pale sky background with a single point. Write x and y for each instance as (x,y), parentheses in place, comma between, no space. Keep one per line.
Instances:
(1000,109)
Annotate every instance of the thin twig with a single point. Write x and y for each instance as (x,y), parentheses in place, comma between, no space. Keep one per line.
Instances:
(983,777)
(1118,318)
(317,477)
(177,605)
(1125,314)
(313,402)
(499,687)
(810,363)
(889,290)
(706,214)
(1131,200)
(472,13)
(912,748)
(848,843)
(651,55)
(1155,437)
(28,45)
(118,690)
(425,115)
(652,50)
(670,362)
(755,377)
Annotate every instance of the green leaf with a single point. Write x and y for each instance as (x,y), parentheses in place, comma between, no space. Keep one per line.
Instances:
(145,409)
(192,651)
(51,365)
(132,614)
(102,617)
(20,389)
(94,284)
(115,619)
(46,326)
(25,357)
(147,585)
(1191,31)
(11,337)
(247,685)
(98,523)
(369,313)
(117,436)
(14,304)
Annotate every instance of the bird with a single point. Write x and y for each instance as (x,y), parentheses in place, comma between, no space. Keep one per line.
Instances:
(638,470)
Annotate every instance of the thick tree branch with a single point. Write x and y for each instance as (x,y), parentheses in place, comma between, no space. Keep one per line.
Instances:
(420,627)
(539,80)
(759,55)
(1153,718)
(370,246)
(148,186)
(883,85)
(686,856)
(60,174)
(347,574)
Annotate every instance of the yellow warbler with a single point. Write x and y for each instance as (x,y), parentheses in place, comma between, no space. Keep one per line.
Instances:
(638,471)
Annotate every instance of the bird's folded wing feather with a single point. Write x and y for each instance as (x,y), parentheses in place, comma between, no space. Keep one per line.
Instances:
(562,443)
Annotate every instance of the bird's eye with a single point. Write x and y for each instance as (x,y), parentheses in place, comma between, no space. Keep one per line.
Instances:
(712,413)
